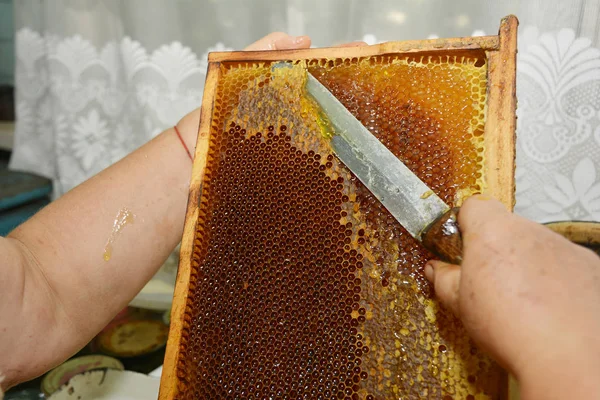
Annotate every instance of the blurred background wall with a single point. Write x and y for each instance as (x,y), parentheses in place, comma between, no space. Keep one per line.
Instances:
(97,78)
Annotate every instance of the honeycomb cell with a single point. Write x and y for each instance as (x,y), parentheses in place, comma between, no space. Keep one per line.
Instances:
(303,285)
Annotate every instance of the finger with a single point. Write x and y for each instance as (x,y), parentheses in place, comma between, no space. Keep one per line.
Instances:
(280,41)
(446,280)
(478,210)
(358,43)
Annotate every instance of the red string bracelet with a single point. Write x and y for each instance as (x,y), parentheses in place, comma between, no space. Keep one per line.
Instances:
(183,143)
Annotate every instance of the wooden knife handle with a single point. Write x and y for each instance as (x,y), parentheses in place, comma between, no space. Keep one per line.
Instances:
(443,238)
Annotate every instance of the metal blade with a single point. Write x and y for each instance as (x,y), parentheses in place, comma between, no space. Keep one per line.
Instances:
(405,196)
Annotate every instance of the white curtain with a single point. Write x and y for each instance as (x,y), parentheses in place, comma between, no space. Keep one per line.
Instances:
(97,78)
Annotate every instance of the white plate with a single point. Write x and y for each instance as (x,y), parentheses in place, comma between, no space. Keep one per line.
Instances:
(157,372)
(109,385)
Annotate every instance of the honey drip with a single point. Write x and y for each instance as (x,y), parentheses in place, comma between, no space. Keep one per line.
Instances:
(123,218)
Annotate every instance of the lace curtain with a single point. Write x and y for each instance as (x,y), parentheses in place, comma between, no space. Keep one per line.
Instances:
(97,78)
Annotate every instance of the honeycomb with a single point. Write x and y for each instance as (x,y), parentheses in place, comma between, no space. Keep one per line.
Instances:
(302,285)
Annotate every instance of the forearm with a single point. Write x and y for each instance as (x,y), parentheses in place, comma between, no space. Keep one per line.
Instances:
(31,316)
(72,244)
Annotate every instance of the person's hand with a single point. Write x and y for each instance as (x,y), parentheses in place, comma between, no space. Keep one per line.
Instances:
(529,297)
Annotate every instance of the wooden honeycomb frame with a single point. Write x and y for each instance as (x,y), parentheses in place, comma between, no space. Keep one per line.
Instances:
(499,141)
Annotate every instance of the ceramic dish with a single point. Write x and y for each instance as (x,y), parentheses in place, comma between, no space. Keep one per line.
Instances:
(583,233)
(64,372)
(109,385)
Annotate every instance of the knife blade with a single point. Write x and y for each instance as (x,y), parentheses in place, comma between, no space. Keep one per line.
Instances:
(410,201)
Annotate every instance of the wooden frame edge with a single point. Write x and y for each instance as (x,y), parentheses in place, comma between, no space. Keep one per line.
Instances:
(500,134)
(168,383)
(500,126)
(488,43)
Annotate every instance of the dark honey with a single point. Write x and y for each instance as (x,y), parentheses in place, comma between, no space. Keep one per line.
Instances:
(302,285)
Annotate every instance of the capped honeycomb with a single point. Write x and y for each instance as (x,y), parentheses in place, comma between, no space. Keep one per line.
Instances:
(302,285)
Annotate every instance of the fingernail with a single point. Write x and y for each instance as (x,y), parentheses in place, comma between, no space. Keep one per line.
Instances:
(289,42)
(429,274)
(299,39)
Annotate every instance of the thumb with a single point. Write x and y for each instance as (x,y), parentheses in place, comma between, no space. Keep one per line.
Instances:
(446,280)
